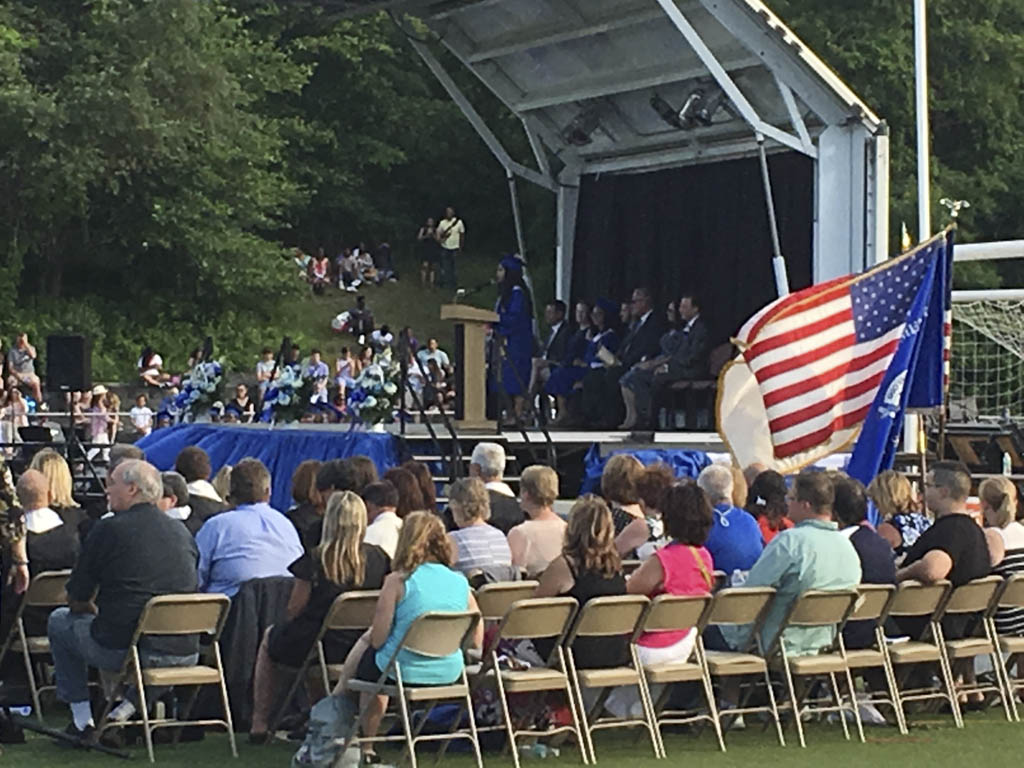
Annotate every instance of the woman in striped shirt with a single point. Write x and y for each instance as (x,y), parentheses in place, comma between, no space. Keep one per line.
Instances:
(999,507)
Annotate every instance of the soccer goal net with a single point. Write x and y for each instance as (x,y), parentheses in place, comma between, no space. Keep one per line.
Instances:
(987,365)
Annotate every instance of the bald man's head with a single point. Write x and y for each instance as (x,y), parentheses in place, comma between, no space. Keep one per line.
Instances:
(33,490)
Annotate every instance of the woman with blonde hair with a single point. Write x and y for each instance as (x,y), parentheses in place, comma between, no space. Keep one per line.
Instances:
(998,498)
(342,562)
(902,521)
(58,474)
(588,567)
(421,581)
(538,540)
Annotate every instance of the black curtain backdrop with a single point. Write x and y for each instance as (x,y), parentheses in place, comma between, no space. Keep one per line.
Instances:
(702,228)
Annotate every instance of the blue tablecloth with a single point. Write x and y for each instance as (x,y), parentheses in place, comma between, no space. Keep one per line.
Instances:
(282,449)
(684,463)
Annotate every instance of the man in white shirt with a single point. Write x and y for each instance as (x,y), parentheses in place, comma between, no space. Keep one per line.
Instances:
(381,501)
(451,235)
(488,463)
(142,416)
(433,352)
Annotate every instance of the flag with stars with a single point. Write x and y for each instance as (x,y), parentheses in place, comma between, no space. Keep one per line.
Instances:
(818,365)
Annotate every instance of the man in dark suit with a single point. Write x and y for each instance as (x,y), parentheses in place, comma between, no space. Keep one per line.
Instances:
(552,351)
(488,463)
(688,362)
(601,402)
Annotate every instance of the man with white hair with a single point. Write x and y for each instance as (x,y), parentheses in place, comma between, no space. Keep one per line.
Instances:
(488,463)
(735,540)
(128,558)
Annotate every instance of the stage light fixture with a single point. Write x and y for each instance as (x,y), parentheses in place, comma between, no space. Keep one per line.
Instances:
(665,111)
(580,131)
(698,109)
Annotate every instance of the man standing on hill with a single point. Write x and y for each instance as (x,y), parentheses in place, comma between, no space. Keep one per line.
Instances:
(451,235)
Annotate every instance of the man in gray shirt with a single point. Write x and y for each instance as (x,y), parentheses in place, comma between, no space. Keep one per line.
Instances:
(21,366)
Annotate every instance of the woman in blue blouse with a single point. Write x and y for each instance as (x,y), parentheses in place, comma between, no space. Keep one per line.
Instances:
(515,330)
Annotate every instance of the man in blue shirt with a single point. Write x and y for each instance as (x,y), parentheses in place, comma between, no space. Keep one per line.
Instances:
(316,368)
(251,541)
(735,539)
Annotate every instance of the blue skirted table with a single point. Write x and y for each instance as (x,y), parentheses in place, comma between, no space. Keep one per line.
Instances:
(282,449)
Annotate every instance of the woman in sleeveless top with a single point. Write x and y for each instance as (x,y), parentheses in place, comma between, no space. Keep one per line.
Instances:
(618,486)
(422,581)
(683,567)
(588,567)
(902,523)
(999,508)
(643,535)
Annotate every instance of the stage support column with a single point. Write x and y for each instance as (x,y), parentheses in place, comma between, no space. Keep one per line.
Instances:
(565,235)
(471,365)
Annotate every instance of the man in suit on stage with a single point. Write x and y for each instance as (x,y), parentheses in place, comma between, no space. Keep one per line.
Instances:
(601,394)
(552,350)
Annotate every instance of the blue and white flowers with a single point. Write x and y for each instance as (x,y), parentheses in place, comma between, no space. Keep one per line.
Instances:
(374,397)
(287,397)
(200,389)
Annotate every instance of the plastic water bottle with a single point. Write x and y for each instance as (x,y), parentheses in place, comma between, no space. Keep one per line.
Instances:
(1007,464)
(23,711)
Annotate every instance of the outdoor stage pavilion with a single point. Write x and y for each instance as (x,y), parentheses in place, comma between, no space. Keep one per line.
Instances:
(658,125)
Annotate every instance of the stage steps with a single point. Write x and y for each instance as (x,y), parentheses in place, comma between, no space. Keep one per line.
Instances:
(423,449)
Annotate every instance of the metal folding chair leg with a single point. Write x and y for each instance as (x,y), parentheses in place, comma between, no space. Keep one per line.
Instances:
(30,671)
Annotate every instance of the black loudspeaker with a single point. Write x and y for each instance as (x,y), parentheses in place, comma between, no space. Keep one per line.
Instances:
(68,364)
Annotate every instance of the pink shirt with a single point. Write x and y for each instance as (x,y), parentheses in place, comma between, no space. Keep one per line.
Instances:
(683,576)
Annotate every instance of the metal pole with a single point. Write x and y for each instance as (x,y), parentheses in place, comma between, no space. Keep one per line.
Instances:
(924,217)
(778,262)
(520,240)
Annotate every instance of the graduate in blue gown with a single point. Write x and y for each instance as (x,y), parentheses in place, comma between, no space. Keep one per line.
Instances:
(515,329)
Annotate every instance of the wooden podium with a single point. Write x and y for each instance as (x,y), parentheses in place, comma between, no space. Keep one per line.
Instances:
(471,364)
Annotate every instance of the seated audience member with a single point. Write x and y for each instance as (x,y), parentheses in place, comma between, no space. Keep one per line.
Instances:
(766,502)
(682,567)
(410,498)
(428,490)
(954,547)
(421,580)
(341,563)
(433,352)
(538,540)
(643,535)
(241,406)
(385,525)
(52,541)
(316,369)
(739,487)
(587,567)
(735,538)
(488,463)
(478,546)
(998,498)
(222,484)
(903,522)
(306,514)
(602,394)
(58,480)
(193,464)
(850,509)
(683,357)
(751,472)
(813,555)
(334,475)
(618,487)
(127,559)
(361,471)
(251,541)
(174,500)
(360,322)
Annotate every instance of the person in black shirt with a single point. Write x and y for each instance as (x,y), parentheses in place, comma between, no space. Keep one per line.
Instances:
(307,511)
(850,510)
(340,563)
(954,547)
(127,559)
(193,463)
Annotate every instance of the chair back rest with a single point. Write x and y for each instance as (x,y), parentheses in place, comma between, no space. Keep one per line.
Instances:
(820,607)
(975,596)
(1013,592)
(47,590)
(628,566)
(352,610)
(495,599)
(740,605)
(916,599)
(677,612)
(191,614)
(719,356)
(440,633)
(537,617)
(721,580)
(873,601)
(609,616)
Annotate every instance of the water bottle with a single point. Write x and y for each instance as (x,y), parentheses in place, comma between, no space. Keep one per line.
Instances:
(739,578)
(23,711)
(1007,464)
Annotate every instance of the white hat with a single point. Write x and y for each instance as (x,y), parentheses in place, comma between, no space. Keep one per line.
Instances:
(99,389)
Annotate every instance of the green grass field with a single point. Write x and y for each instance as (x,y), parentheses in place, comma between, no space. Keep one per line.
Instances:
(988,740)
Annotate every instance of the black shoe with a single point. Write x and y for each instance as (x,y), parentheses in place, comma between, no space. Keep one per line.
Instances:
(114,737)
(77,738)
(370,758)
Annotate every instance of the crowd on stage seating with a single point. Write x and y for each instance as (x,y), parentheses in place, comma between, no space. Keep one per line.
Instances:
(647,533)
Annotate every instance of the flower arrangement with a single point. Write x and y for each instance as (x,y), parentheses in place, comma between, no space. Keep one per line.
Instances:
(200,389)
(374,396)
(287,397)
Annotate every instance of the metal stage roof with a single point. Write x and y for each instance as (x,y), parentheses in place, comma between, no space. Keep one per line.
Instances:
(634,85)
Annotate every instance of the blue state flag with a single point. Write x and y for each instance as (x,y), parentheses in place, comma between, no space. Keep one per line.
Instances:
(927,386)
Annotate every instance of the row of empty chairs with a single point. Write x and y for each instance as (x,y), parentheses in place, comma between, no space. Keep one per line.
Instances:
(516,615)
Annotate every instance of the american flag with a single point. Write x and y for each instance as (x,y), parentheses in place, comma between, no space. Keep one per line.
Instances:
(820,355)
